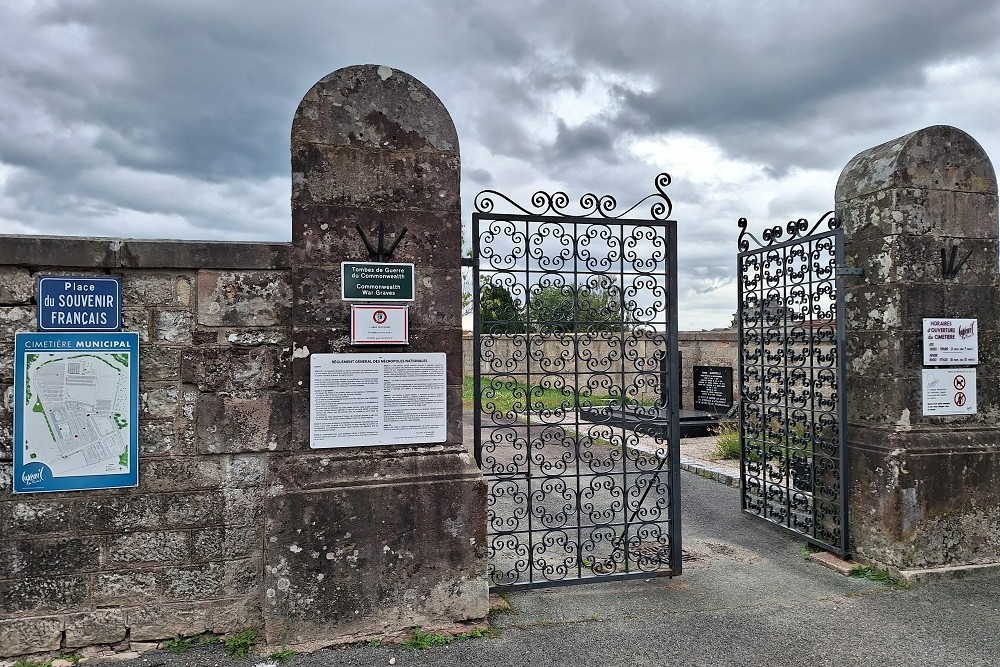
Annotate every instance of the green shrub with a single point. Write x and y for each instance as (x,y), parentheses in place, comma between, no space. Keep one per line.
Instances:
(727,441)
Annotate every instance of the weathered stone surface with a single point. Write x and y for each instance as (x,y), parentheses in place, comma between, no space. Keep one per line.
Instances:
(139,321)
(938,157)
(194,510)
(183,473)
(50,593)
(20,636)
(7,364)
(159,363)
(165,288)
(226,542)
(936,498)
(376,558)
(43,557)
(246,299)
(234,369)
(89,253)
(14,319)
(17,286)
(250,422)
(242,506)
(236,615)
(428,234)
(100,626)
(390,180)
(161,621)
(923,489)
(149,547)
(351,106)
(125,587)
(148,511)
(157,402)
(35,517)
(156,438)
(195,582)
(173,326)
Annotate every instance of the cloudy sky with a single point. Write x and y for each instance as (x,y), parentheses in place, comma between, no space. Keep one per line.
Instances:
(170,118)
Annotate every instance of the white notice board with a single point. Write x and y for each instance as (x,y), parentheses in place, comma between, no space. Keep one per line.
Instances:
(358,400)
(950,341)
(949,391)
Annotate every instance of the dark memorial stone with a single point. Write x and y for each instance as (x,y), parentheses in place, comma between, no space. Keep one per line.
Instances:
(713,388)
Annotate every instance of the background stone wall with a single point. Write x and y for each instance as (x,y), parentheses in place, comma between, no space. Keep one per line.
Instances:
(182,553)
(697,348)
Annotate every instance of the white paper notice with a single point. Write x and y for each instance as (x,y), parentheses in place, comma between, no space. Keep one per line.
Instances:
(950,342)
(949,391)
(359,400)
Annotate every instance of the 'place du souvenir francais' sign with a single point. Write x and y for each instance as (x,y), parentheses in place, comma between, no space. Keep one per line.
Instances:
(79,303)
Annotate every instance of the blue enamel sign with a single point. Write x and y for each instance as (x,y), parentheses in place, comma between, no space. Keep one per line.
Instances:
(76,411)
(79,303)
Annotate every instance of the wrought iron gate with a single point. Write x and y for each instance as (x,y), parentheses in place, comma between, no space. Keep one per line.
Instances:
(573,316)
(792,411)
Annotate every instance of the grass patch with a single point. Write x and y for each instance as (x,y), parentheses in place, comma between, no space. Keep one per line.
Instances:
(877,575)
(243,644)
(727,442)
(511,396)
(421,640)
(282,656)
(180,644)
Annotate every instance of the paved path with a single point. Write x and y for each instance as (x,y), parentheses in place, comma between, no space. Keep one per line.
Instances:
(747,598)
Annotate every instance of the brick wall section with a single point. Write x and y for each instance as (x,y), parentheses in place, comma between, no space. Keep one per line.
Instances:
(182,553)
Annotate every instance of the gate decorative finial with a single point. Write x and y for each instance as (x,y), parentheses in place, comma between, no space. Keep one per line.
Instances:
(796,229)
(592,205)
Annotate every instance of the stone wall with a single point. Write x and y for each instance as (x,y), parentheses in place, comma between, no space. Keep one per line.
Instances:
(180,554)
(236,523)
(697,348)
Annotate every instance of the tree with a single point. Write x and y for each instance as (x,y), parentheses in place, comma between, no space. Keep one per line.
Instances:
(499,311)
(597,305)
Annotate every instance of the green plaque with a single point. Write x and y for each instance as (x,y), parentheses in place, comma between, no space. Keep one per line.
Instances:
(374,281)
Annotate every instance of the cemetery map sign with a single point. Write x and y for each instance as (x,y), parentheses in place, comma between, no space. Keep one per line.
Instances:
(76,413)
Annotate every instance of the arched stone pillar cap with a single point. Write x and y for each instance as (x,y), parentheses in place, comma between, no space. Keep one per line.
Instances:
(374,106)
(939,157)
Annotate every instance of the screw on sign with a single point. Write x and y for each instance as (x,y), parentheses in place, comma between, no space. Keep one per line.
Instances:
(959,382)
(959,399)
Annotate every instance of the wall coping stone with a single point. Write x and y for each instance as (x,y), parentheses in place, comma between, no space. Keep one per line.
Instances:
(118,253)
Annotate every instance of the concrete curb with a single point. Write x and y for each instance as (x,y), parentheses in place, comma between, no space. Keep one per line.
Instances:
(717,473)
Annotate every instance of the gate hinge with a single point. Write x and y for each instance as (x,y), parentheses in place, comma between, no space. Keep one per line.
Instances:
(848,271)
(468,261)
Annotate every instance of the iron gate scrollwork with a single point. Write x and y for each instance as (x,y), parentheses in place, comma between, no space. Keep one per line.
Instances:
(573,316)
(792,411)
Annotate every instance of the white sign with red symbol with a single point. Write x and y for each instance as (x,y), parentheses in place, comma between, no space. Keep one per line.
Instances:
(949,391)
(950,342)
(380,325)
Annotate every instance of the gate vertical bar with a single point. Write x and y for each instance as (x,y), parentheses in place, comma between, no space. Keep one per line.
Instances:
(674,442)
(841,316)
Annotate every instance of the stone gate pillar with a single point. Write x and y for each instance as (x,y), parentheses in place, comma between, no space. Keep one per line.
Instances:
(367,541)
(924,490)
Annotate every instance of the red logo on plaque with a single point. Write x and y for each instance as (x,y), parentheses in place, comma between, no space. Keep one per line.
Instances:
(379,317)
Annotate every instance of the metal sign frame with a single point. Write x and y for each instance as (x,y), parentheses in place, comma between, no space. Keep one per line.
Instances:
(792,407)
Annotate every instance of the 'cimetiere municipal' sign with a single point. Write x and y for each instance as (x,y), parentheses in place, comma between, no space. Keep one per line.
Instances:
(75,303)
(374,281)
